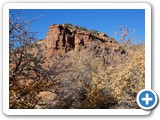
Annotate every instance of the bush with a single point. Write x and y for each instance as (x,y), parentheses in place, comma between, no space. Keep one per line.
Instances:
(88,78)
(83,28)
(68,25)
(96,81)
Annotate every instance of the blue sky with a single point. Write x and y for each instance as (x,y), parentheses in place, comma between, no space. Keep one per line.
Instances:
(103,20)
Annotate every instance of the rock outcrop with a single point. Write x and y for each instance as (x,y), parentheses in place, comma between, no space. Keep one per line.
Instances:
(67,37)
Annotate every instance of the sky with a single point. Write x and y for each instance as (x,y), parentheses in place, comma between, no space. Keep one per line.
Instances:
(103,20)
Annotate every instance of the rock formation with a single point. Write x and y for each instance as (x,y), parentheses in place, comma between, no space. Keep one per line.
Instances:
(67,37)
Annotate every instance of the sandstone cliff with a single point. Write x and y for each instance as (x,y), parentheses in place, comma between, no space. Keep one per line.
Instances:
(67,37)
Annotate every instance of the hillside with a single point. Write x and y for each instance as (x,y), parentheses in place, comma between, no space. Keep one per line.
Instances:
(76,68)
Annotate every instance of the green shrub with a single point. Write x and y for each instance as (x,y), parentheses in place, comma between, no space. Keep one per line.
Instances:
(83,28)
(68,25)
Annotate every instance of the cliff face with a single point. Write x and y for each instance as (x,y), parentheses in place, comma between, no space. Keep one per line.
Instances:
(67,37)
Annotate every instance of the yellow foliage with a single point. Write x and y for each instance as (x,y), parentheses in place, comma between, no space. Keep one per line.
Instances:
(87,79)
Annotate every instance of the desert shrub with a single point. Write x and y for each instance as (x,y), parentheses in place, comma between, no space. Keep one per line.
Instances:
(83,28)
(126,73)
(89,79)
(68,25)
(24,96)
(110,81)
(27,77)
(80,86)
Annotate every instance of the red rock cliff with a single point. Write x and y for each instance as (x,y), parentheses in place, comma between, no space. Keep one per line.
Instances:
(65,38)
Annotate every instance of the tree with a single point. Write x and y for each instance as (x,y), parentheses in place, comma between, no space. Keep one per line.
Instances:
(26,59)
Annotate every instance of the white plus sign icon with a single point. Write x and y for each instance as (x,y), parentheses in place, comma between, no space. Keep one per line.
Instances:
(147,99)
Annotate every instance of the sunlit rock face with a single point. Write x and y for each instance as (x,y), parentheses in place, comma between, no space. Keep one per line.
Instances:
(63,38)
